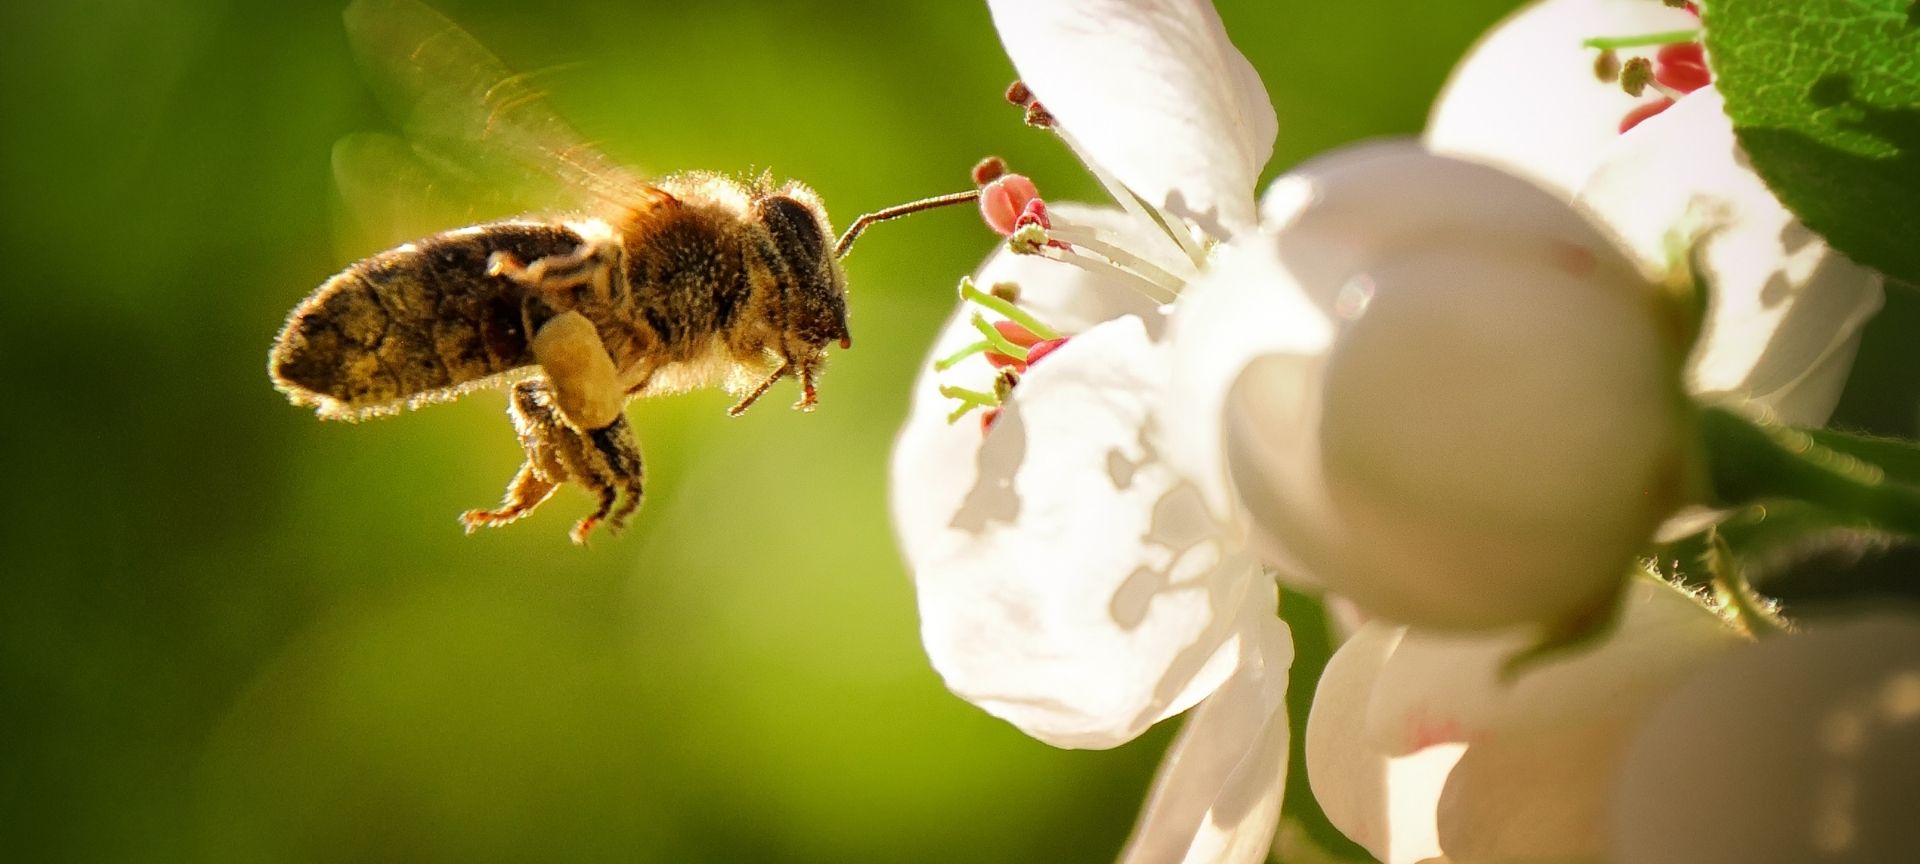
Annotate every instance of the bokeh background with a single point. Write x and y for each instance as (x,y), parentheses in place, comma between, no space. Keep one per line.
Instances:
(230,632)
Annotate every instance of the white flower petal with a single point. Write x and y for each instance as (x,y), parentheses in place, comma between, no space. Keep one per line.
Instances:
(1383,802)
(933,461)
(1078,591)
(1217,796)
(1525,98)
(1540,798)
(1451,687)
(1491,437)
(1803,747)
(1245,306)
(1154,93)
(1786,310)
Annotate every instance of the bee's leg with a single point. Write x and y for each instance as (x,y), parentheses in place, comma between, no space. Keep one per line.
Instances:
(593,264)
(760,390)
(809,395)
(605,461)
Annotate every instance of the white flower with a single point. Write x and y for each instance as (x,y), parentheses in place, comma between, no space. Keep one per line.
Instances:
(1803,747)
(1071,580)
(1786,311)
(1497,427)
(1418,746)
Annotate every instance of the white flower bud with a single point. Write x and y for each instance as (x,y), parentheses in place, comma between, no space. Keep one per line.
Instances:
(1497,428)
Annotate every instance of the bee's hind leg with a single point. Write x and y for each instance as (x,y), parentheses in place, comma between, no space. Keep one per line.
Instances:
(606,461)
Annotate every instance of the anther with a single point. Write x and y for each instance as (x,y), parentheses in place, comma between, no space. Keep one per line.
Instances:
(1004,383)
(1038,116)
(1018,94)
(1636,75)
(1005,200)
(988,170)
(1008,291)
(1606,67)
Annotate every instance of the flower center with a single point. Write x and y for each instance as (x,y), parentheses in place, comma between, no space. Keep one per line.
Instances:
(1011,345)
(1678,67)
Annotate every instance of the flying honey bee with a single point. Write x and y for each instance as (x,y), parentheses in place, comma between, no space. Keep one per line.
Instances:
(645,287)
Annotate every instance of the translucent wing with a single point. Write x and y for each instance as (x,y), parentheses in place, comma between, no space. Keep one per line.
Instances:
(391,194)
(479,140)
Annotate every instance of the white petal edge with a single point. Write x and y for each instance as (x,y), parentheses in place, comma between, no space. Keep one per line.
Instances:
(1217,796)
(1079,591)
(1786,310)
(1154,93)
(1525,98)
(1442,687)
(1383,802)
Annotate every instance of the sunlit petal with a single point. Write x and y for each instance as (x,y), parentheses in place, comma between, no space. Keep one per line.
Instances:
(1383,802)
(1154,93)
(1526,99)
(1246,306)
(1077,589)
(933,461)
(1786,310)
(1540,797)
(1217,795)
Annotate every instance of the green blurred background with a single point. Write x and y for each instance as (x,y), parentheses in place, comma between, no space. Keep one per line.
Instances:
(234,633)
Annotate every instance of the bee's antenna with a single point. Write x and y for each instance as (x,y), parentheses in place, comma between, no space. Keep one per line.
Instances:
(897,211)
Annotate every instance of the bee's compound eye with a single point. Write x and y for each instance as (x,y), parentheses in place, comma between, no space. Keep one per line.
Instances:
(799,235)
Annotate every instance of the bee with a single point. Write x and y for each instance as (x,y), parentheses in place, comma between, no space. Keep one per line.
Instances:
(646,287)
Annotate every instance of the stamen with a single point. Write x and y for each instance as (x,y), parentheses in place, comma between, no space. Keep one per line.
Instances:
(1147,287)
(966,395)
(1006,308)
(951,360)
(1132,203)
(1645,40)
(997,340)
(969,400)
(1606,67)
(1087,238)
(1003,384)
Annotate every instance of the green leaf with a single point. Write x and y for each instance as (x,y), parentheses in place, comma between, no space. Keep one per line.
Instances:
(1751,460)
(1898,457)
(1825,97)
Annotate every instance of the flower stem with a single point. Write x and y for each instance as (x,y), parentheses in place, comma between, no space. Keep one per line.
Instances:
(1750,460)
(1644,40)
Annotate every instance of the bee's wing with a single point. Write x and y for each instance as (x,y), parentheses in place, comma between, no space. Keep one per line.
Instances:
(480,141)
(391,193)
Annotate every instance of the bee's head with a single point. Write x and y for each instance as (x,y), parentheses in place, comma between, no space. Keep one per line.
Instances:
(802,241)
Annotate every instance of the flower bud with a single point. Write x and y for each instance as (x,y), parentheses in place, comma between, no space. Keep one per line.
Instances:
(1497,428)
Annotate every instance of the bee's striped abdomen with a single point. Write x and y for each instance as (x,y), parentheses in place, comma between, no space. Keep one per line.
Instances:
(418,323)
